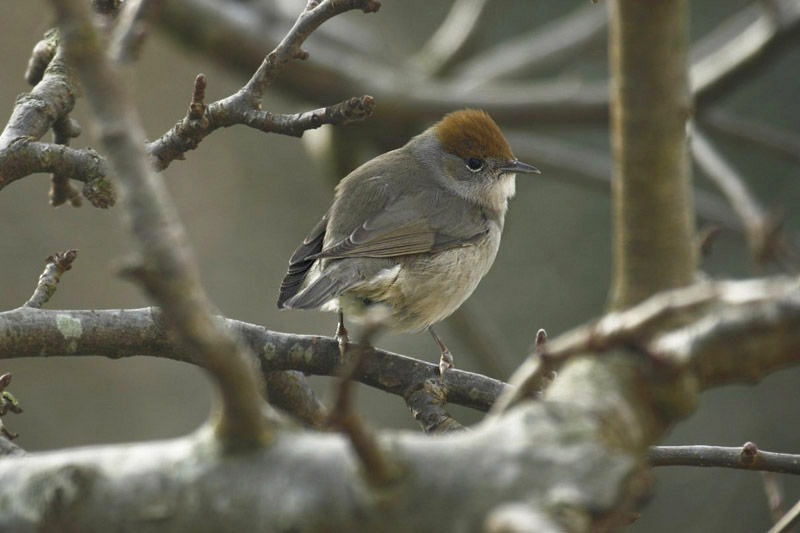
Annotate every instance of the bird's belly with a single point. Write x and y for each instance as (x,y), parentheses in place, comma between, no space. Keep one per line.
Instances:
(426,289)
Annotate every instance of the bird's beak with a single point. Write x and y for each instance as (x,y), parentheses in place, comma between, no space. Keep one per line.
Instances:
(516,166)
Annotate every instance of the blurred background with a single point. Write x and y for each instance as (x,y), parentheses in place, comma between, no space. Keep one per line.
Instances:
(247,199)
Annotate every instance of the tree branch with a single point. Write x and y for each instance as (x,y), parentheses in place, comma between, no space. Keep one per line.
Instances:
(761,229)
(651,189)
(747,457)
(117,333)
(168,271)
(56,265)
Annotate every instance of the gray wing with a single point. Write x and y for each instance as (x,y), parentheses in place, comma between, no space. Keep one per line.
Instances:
(396,219)
(420,223)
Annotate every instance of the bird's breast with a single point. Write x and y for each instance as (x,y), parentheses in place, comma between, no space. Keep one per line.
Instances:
(427,288)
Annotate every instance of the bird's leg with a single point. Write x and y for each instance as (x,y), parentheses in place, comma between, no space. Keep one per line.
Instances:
(446,360)
(341,337)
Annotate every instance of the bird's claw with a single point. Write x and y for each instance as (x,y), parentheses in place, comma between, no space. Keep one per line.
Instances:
(445,362)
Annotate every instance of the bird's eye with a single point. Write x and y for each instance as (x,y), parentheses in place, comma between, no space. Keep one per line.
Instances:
(475,164)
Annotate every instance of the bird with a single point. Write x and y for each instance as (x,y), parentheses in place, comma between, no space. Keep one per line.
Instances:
(411,231)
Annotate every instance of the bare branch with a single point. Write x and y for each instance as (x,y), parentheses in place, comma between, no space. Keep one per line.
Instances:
(652,188)
(774,494)
(289,391)
(129,34)
(777,141)
(728,55)
(174,281)
(789,520)
(426,404)
(762,230)
(449,39)
(553,43)
(119,333)
(592,168)
(530,379)
(56,265)
(747,457)
(379,466)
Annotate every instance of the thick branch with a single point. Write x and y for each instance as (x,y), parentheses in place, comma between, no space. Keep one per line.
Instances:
(119,333)
(653,211)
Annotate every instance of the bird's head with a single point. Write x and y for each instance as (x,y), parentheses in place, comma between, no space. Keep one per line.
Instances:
(475,159)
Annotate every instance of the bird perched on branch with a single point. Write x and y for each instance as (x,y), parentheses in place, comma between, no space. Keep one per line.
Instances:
(413,230)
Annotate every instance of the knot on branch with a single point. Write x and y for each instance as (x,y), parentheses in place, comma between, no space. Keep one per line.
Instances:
(100,192)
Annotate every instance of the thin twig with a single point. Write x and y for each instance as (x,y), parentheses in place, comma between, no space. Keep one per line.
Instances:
(530,379)
(55,266)
(746,457)
(789,520)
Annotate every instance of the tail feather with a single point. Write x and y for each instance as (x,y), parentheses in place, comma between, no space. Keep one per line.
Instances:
(300,263)
(318,292)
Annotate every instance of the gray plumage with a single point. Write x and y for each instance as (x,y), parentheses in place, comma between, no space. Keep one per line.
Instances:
(413,229)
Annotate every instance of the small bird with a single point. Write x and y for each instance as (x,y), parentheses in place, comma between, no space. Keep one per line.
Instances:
(413,230)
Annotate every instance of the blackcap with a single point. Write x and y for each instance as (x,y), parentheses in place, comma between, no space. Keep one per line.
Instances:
(413,230)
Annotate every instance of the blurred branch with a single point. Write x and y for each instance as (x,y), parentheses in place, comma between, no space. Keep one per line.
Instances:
(55,266)
(761,229)
(592,168)
(740,46)
(406,99)
(588,433)
(167,271)
(553,43)
(774,494)
(449,39)
(530,379)
(777,141)
(131,29)
(747,457)
(698,325)
(380,468)
(652,195)
(789,520)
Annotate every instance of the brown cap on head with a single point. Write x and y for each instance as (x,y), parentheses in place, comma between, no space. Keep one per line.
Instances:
(472,133)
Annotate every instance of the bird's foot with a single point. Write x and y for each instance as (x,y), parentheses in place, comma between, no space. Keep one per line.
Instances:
(445,362)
